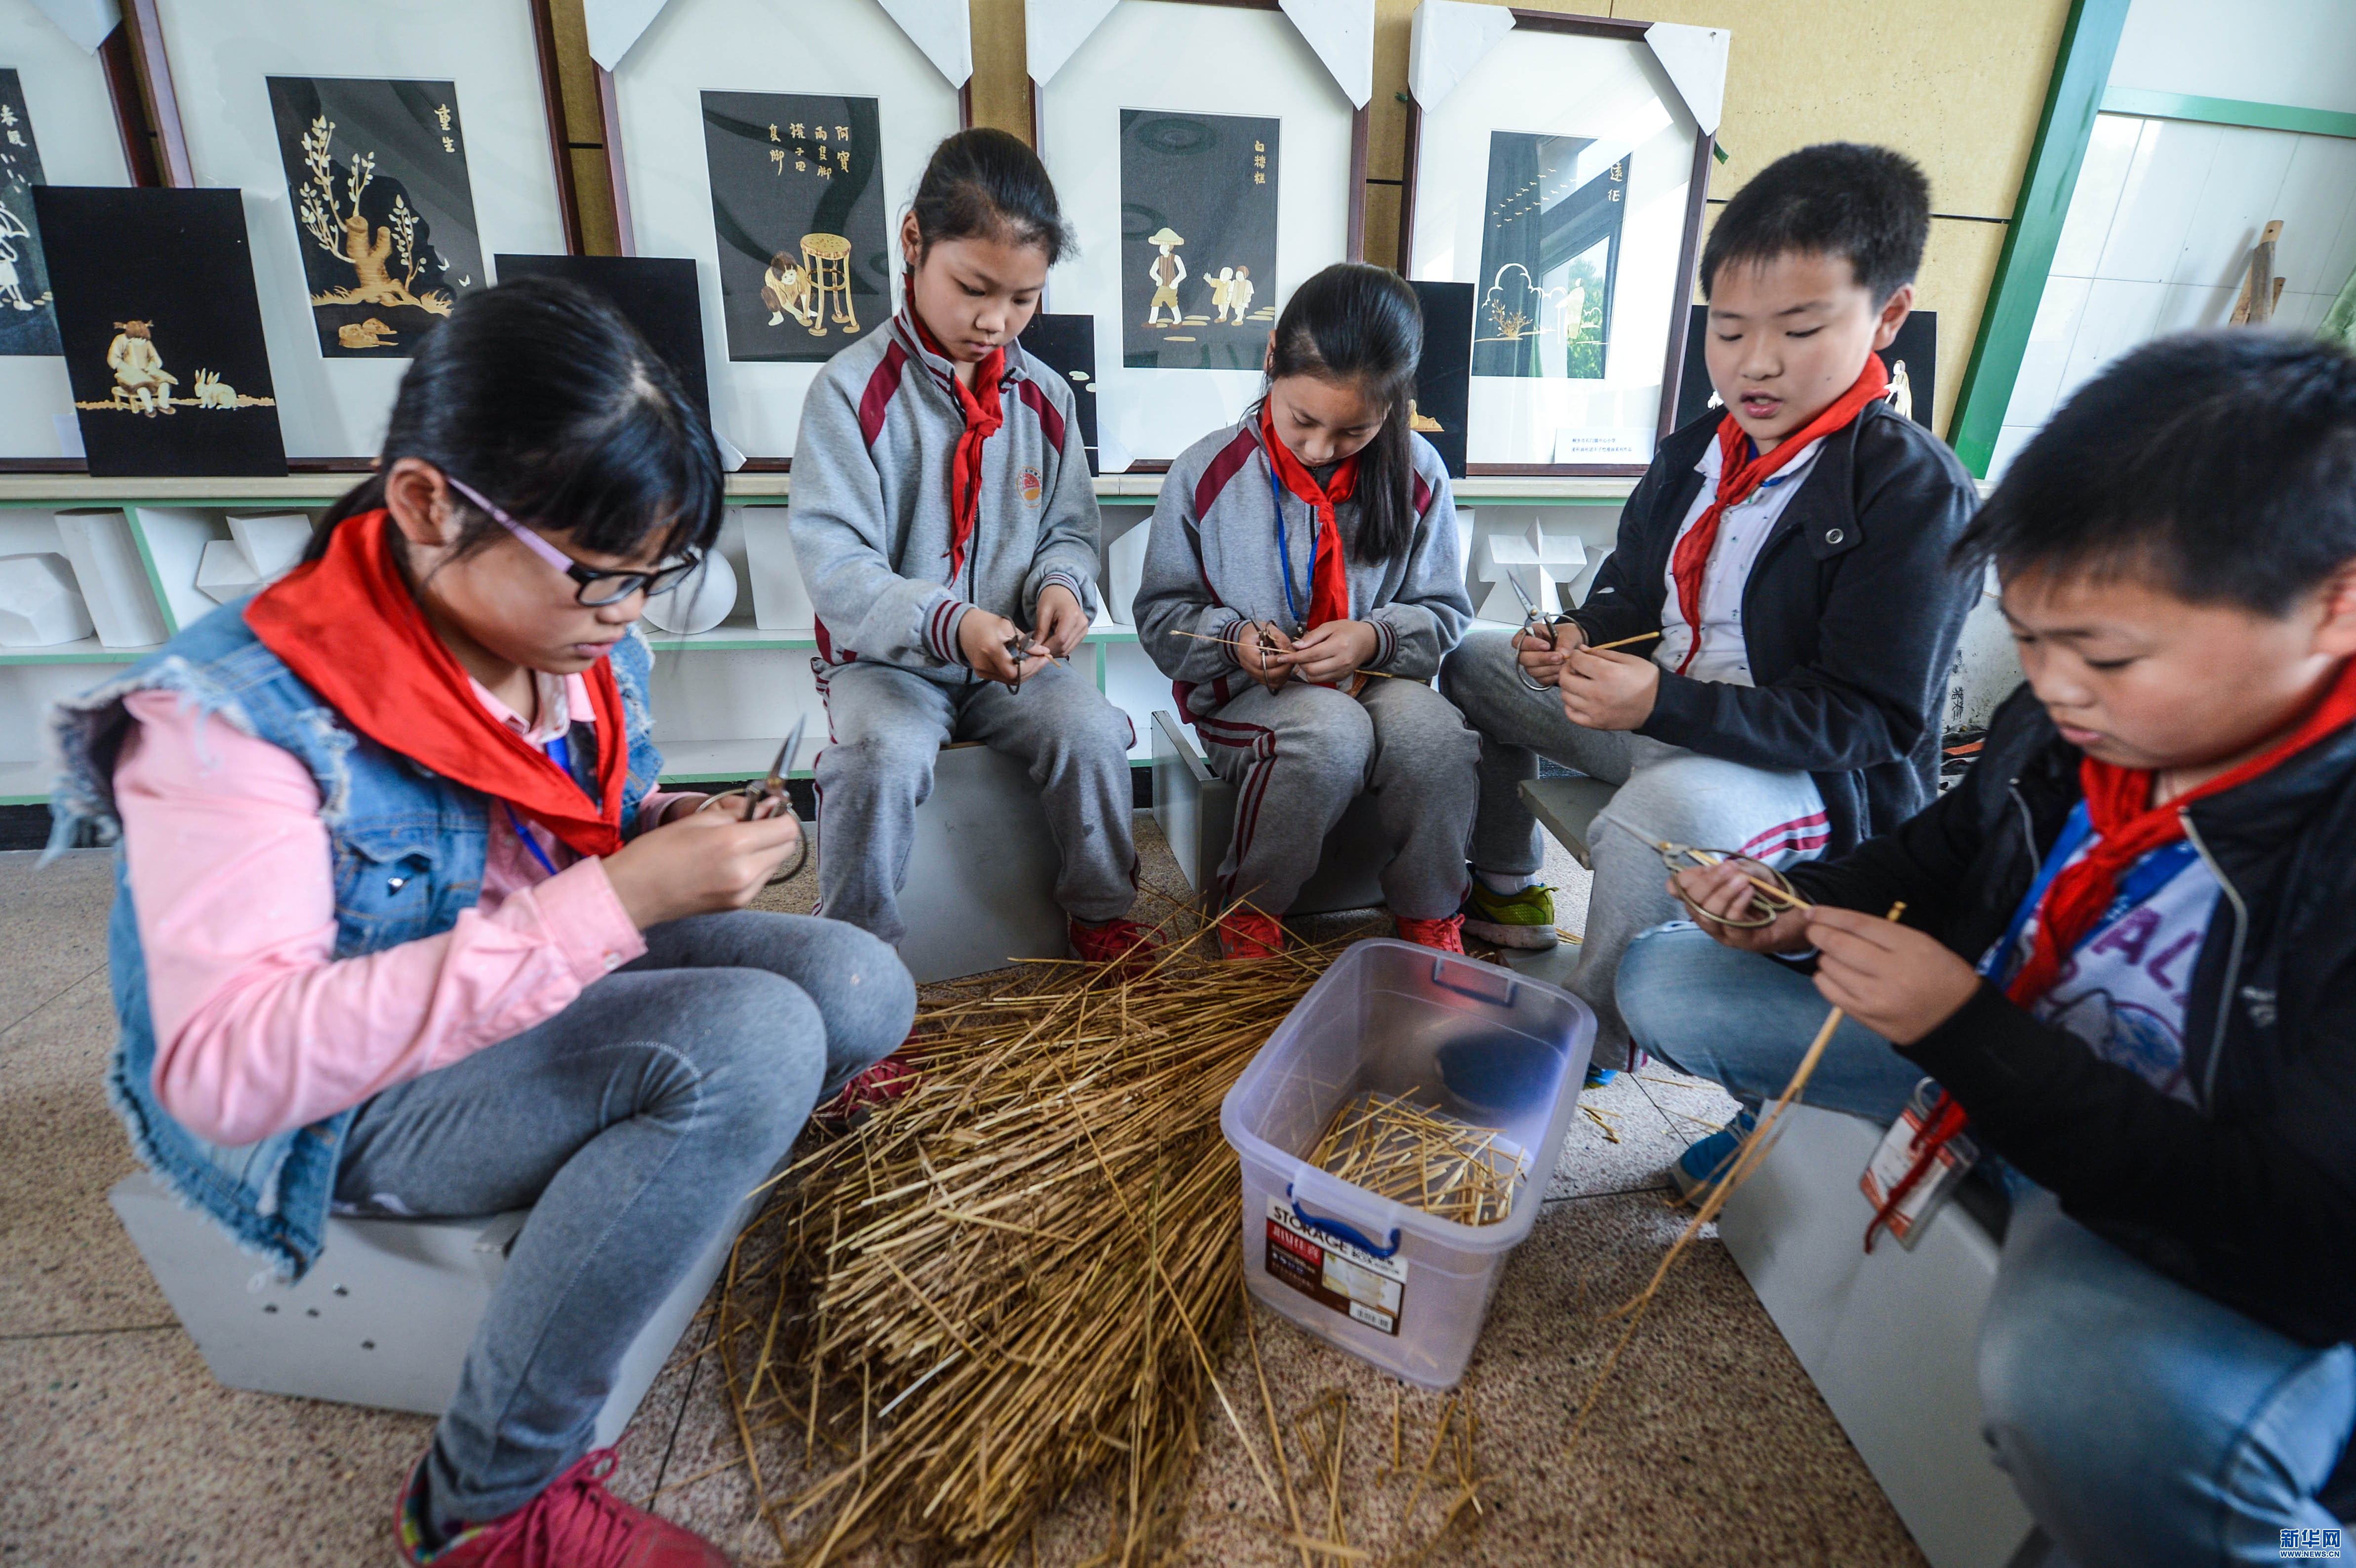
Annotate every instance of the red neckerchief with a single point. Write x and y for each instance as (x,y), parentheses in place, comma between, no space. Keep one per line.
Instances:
(984,412)
(1689,562)
(2128,827)
(349,627)
(1329,588)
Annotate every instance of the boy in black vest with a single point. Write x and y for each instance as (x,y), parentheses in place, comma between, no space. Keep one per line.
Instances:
(2128,958)
(1790,552)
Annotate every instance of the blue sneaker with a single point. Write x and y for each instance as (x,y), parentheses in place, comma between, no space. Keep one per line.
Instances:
(1597,1077)
(1700,1166)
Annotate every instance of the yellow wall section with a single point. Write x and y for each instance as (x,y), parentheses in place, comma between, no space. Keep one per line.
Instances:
(1957,88)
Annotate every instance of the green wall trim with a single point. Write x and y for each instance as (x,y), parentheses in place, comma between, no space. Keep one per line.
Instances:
(2082,72)
(2159,105)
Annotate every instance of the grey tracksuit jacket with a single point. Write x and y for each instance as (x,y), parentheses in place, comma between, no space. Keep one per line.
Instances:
(1213,563)
(870,515)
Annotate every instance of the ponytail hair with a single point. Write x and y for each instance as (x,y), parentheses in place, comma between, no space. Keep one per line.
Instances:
(540,395)
(1361,326)
(984,183)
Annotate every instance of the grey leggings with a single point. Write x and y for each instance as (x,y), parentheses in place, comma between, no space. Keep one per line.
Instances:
(632,1124)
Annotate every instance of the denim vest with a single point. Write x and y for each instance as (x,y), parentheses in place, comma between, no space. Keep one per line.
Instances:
(408,849)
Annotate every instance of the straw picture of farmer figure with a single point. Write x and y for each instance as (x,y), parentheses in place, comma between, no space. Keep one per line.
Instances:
(384,212)
(1198,196)
(27,323)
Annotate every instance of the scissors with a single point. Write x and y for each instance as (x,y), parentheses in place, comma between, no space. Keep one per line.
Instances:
(772,788)
(1768,899)
(1536,622)
(1018,649)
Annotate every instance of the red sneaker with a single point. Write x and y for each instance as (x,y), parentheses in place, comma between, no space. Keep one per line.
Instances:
(576,1524)
(1121,942)
(1247,934)
(1448,935)
(894,1078)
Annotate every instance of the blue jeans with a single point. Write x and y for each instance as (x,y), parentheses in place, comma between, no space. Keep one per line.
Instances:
(632,1124)
(2143,1424)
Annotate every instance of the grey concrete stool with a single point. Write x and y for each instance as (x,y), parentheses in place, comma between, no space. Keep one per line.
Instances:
(1567,808)
(1890,1338)
(1196,810)
(383,1319)
(981,890)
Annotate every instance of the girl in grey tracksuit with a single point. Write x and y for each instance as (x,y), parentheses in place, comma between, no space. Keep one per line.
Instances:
(1323,524)
(941,510)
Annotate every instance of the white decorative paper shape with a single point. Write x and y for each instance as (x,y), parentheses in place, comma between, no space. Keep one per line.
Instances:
(1543,560)
(942,30)
(273,542)
(616,25)
(1125,572)
(1445,40)
(1053,30)
(86,22)
(39,606)
(113,582)
(702,601)
(1694,59)
(224,574)
(781,601)
(1343,34)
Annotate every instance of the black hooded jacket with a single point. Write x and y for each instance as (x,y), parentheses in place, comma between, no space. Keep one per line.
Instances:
(2248,1197)
(1850,617)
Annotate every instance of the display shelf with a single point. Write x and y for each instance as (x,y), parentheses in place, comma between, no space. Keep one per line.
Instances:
(725,761)
(25,784)
(737,634)
(82,650)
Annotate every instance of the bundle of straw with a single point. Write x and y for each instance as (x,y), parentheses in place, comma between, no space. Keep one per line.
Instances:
(1396,1148)
(1015,1280)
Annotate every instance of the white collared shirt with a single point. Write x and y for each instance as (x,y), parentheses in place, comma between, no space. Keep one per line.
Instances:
(1740,532)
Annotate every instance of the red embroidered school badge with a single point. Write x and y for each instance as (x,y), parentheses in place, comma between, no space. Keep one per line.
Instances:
(1032,487)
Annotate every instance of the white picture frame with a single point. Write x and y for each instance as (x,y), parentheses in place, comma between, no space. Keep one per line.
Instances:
(1640,101)
(1189,57)
(655,65)
(75,125)
(219,55)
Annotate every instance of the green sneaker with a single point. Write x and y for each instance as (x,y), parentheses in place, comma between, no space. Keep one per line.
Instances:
(1524,920)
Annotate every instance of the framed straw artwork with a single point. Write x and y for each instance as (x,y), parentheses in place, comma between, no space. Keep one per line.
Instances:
(1210,154)
(776,144)
(70,115)
(385,156)
(1559,165)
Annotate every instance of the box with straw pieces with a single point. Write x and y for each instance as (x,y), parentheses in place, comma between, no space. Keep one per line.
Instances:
(1396,1134)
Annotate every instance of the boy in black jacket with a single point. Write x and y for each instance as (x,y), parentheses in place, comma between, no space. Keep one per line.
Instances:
(2128,955)
(1792,553)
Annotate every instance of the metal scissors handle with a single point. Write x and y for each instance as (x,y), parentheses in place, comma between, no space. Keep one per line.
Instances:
(1768,899)
(769,788)
(1536,622)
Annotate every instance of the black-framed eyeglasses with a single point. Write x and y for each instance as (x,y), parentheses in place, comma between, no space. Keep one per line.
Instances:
(595,586)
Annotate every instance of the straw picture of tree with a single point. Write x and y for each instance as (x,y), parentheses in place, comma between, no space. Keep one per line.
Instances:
(341,229)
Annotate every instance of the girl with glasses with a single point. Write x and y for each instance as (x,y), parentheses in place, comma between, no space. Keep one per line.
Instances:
(405,928)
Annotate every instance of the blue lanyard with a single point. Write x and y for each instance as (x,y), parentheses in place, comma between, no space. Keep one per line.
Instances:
(1284,546)
(2150,874)
(561,753)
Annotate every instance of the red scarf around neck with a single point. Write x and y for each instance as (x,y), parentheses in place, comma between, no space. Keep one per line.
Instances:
(1689,562)
(2128,827)
(984,412)
(349,627)
(1329,587)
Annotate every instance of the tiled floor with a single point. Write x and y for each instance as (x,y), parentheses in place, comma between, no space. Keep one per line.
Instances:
(1708,1446)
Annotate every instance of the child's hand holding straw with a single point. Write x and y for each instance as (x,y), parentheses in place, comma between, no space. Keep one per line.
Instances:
(983,638)
(1723,900)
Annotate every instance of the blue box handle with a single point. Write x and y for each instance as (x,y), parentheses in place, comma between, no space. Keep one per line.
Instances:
(1349,1233)
(1442,975)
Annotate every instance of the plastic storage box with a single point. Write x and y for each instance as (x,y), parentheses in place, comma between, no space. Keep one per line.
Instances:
(1387,1282)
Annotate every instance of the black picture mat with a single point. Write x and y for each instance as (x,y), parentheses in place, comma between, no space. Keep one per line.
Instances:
(763,152)
(1542,222)
(1443,376)
(414,196)
(178,260)
(1916,346)
(1211,180)
(27,323)
(658,294)
(1067,345)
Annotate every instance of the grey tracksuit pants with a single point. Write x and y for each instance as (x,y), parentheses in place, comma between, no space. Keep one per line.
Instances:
(1298,756)
(887,725)
(632,1124)
(1667,791)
